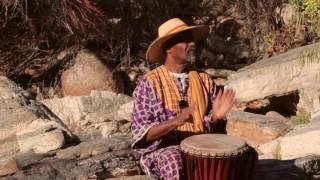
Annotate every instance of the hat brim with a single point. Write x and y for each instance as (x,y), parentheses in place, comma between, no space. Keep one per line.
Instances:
(155,52)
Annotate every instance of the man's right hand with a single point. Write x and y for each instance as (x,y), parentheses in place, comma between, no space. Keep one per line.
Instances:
(185,115)
(159,130)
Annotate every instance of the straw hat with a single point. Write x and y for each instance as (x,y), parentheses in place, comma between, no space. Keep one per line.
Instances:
(168,30)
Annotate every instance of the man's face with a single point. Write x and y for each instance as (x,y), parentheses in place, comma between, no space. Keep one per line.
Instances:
(183,48)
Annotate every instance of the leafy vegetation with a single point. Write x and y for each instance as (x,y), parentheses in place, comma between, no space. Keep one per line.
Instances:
(301,117)
(310,14)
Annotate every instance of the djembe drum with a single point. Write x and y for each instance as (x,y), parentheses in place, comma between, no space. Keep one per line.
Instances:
(217,157)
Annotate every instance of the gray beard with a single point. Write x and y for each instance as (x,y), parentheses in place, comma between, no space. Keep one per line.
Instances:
(191,56)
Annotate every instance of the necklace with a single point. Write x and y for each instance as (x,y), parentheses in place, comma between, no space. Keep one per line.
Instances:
(182,83)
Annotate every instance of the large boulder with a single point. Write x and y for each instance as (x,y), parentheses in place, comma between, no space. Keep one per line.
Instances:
(255,128)
(87,74)
(26,124)
(102,113)
(303,140)
(277,75)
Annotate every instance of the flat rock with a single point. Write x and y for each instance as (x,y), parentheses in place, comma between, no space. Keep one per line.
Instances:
(272,77)
(101,166)
(276,116)
(301,141)
(42,143)
(254,128)
(91,148)
(103,112)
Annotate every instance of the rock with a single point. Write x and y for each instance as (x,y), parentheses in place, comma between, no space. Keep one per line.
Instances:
(98,167)
(289,14)
(91,148)
(87,74)
(137,177)
(109,128)
(309,101)
(12,164)
(42,142)
(276,116)
(316,118)
(270,150)
(309,164)
(219,72)
(307,167)
(272,77)
(126,170)
(271,169)
(254,128)
(103,112)
(122,166)
(301,141)
(26,124)
(25,159)
(8,166)
(9,90)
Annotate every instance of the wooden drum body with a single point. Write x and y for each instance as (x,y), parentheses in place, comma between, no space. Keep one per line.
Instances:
(217,157)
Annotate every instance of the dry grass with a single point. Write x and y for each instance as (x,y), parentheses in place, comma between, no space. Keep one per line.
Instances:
(72,15)
(37,30)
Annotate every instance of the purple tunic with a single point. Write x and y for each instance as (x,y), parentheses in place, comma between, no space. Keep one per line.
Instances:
(158,158)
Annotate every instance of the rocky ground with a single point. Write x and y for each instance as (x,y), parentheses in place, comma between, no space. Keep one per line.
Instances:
(88,136)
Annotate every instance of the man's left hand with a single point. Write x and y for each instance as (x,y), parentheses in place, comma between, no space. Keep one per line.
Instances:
(222,103)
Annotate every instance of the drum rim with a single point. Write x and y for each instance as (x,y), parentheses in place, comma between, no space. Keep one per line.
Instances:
(215,154)
(238,152)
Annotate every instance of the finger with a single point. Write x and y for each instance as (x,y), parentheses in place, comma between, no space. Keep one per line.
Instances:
(219,94)
(233,94)
(229,92)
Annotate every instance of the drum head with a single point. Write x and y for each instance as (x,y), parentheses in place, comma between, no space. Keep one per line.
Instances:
(213,145)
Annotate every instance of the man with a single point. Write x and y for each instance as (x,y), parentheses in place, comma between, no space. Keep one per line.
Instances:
(174,100)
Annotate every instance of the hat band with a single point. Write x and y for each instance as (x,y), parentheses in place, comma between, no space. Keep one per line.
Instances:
(182,25)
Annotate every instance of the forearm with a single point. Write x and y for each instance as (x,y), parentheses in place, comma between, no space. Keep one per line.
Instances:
(159,130)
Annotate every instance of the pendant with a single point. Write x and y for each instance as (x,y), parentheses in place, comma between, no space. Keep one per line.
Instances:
(183,104)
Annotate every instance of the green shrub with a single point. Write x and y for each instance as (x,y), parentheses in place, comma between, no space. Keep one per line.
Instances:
(301,117)
(310,14)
